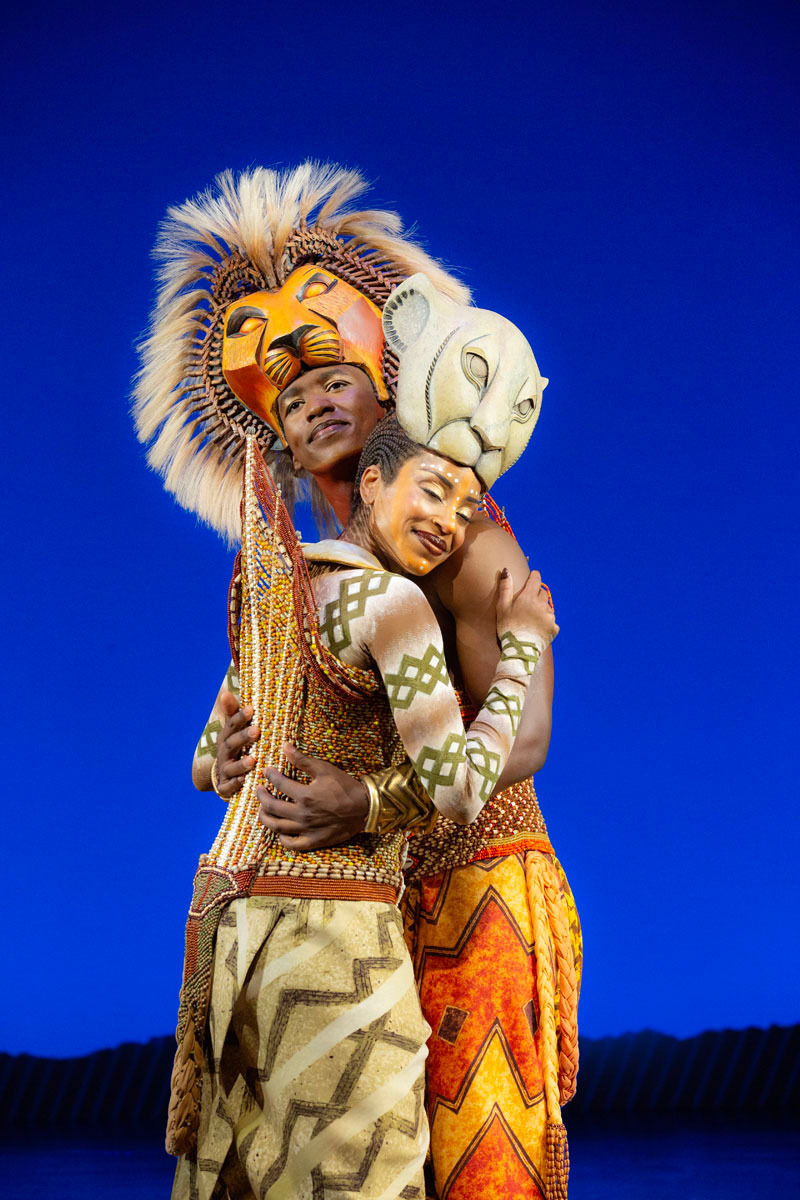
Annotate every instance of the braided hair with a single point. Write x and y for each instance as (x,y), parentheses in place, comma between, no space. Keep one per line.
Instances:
(388,447)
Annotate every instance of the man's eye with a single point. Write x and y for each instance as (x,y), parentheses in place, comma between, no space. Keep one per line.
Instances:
(336,385)
(290,407)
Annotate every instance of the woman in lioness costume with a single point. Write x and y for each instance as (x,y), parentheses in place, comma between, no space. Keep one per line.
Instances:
(490,919)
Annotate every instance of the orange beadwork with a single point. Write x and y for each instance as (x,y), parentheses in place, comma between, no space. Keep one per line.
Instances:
(510,822)
(323,889)
(498,515)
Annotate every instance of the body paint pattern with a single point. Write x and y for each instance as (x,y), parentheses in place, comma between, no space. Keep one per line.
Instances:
(379,620)
(207,746)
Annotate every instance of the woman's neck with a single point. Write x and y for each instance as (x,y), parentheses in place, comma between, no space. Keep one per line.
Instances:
(357,530)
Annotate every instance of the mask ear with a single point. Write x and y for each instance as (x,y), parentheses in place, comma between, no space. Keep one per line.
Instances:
(407,311)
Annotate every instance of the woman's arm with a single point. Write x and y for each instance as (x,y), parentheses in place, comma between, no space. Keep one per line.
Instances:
(398,631)
(226,738)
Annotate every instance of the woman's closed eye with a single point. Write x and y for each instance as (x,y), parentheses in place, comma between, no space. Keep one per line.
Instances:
(434,495)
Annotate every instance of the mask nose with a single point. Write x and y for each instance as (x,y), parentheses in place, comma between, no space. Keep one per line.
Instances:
(290,341)
(491,424)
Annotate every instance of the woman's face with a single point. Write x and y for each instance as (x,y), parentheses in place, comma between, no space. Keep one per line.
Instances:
(326,416)
(419,519)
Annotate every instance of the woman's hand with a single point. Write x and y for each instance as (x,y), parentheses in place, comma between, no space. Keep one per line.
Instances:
(235,739)
(528,613)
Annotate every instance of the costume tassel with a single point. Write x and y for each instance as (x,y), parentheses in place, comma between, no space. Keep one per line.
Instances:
(557,1171)
(557,1161)
(183,1118)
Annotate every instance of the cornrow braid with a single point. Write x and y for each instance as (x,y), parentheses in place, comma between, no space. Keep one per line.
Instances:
(387,447)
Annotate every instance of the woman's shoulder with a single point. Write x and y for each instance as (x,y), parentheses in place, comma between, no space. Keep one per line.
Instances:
(352,583)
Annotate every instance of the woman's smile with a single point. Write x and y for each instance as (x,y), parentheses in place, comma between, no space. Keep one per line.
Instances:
(432,542)
(420,518)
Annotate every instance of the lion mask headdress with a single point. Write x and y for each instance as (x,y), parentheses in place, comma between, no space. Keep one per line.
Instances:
(262,276)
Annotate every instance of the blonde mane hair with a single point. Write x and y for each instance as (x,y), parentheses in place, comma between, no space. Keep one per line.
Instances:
(248,232)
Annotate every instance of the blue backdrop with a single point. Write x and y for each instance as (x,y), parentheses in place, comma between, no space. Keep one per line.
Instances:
(620,180)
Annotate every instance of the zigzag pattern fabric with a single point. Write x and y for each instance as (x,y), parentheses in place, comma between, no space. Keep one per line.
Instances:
(314,1086)
(471,937)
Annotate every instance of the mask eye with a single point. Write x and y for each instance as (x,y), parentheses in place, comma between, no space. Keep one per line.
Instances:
(524,409)
(476,368)
(244,320)
(315,285)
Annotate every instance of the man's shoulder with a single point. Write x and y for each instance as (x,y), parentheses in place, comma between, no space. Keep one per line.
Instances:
(471,574)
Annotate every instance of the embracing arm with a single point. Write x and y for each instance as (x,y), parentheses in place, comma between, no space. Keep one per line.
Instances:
(465,585)
(333,806)
(225,739)
(458,769)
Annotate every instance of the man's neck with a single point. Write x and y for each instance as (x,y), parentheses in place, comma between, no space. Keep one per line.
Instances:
(339,494)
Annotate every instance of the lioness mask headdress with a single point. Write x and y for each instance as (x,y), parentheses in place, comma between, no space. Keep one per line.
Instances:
(264,275)
(468,385)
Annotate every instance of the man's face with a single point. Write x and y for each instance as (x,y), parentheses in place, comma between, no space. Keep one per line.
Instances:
(314,319)
(419,519)
(327,415)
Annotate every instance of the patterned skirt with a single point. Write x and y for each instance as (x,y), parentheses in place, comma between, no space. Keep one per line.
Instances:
(315,1057)
(472,938)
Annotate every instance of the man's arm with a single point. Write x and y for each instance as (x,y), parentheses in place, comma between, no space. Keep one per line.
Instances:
(465,585)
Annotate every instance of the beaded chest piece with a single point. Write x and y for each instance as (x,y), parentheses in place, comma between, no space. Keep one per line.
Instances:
(300,693)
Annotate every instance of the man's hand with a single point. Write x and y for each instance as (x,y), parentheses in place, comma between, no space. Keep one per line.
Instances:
(328,811)
(235,738)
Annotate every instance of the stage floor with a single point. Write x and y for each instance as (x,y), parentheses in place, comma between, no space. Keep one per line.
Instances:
(624,1160)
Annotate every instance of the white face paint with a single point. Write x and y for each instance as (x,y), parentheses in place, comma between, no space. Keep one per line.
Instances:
(468,386)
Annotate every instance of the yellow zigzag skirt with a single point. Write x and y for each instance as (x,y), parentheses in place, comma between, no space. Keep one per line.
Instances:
(493,1082)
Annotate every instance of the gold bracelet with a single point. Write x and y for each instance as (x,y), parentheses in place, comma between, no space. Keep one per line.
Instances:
(374,797)
(397,800)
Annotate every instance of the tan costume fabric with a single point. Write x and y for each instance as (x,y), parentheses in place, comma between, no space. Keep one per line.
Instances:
(315,1084)
(288,1106)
